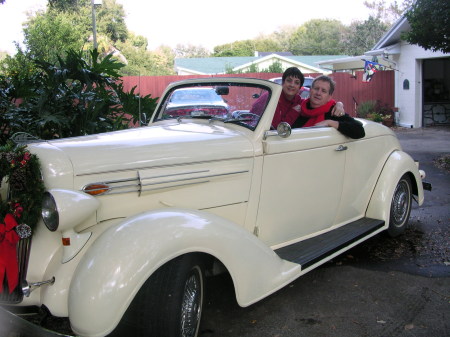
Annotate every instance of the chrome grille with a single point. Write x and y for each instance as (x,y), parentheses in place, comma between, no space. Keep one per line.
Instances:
(23,254)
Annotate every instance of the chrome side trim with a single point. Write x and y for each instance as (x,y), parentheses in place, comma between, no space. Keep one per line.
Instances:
(141,184)
(193,178)
(178,185)
(157,167)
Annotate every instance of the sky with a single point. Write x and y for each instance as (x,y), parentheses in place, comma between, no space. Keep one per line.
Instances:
(198,22)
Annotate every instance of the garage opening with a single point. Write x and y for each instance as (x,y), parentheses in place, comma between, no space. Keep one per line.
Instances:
(436,92)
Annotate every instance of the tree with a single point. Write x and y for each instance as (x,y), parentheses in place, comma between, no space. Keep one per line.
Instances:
(20,70)
(362,36)
(138,41)
(111,21)
(318,37)
(236,48)
(68,5)
(283,37)
(190,51)
(430,22)
(49,33)
(110,16)
(163,59)
(266,44)
(275,67)
(248,47)
(141,62)
(388,13)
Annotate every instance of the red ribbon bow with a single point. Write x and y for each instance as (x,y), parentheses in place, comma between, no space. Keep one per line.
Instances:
(9,265)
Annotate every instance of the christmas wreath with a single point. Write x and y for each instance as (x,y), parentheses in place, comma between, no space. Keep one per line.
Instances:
(20,209)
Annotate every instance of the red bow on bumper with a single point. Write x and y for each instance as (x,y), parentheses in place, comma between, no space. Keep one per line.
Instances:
(9,265)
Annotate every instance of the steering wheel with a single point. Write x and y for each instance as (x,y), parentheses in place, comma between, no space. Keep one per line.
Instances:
(240,114)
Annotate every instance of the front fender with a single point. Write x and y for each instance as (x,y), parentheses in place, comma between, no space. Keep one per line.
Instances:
(398,164)
(125,255)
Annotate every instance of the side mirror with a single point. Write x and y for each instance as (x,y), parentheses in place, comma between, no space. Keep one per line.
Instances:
(284,130)
(143,119)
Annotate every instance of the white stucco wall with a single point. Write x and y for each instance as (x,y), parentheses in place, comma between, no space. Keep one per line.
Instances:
(409,65)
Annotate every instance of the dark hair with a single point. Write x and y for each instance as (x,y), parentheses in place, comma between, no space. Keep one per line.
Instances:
(295,73)
(325,79)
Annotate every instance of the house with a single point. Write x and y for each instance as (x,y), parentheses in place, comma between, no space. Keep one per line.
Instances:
(422,77)
(222,65)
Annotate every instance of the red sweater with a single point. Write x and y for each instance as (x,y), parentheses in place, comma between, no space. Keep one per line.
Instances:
(285,111)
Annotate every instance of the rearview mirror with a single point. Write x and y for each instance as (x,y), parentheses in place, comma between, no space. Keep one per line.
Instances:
(222,91)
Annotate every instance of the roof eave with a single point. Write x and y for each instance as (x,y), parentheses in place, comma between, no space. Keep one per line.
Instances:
(385,51)
(282,58)
(392,36)
(194,72)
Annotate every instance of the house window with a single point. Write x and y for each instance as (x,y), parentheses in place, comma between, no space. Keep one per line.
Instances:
(405,85)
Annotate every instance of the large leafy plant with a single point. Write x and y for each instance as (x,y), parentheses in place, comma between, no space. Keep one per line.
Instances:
(81,94)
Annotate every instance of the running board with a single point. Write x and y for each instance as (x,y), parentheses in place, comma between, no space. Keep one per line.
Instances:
(310,251)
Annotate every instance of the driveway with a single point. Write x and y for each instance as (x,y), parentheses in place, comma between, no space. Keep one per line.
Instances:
(383,288)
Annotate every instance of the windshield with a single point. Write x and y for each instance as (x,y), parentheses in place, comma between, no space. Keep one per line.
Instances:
(237,103)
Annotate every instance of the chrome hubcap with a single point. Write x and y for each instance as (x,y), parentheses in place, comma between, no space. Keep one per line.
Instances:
(401,203)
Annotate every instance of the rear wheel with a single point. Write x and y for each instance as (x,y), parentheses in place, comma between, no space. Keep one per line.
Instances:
(400,207)
(170,302)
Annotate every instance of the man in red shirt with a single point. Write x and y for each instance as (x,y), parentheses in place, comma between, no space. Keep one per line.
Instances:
(317,110)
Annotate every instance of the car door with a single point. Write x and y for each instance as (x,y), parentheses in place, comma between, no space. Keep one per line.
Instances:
(301,184)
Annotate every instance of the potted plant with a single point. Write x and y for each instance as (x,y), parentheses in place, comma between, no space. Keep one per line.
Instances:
(365,109)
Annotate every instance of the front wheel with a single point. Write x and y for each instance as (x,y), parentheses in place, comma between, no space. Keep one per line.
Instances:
(400,207)
(170,302)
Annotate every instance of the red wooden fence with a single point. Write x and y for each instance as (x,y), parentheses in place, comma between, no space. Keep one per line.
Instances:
(350,90)
(155,85)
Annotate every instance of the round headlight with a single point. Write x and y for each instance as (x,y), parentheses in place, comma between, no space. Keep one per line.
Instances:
(50,212)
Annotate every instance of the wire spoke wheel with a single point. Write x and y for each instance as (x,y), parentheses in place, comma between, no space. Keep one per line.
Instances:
(170,302)
(192,303)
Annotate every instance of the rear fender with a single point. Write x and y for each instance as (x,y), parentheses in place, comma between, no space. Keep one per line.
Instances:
(398,164)
(125,255)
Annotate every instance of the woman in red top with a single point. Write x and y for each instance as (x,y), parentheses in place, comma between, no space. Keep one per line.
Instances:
(289,104)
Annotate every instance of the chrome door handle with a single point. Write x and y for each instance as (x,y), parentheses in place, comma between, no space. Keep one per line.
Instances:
(341,148)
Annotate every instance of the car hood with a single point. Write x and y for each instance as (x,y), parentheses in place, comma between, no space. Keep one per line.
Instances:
(152,146)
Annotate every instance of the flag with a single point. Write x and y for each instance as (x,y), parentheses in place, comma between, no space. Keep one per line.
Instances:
(370,68)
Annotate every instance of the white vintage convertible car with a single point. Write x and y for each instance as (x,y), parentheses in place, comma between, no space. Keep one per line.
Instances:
(133,220)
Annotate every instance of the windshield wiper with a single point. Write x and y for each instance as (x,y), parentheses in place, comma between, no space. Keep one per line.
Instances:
(237,120)
(214,118)
(208,117)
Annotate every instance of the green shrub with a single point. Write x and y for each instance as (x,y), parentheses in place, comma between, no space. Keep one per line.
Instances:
(79,95)
(366,108)
(375,111)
